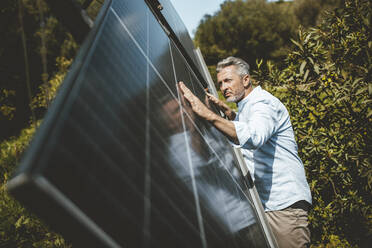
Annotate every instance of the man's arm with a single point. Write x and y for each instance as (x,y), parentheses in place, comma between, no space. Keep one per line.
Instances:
(225,126)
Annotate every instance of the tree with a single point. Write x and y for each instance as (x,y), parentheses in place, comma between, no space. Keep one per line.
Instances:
(309,12)
(24,44)
(247,29)
(20,46)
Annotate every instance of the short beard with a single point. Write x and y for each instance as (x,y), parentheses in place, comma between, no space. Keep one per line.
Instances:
(235,98)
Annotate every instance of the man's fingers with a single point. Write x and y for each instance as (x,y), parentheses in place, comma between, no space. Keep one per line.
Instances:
(213,98)
(180,86)
(186,91)
(210,97)
(209,94)
(183,87)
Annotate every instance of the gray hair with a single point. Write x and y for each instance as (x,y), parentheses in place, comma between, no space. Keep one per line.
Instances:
(241,66)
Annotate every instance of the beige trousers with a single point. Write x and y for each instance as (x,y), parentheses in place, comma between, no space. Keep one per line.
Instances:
(290,227)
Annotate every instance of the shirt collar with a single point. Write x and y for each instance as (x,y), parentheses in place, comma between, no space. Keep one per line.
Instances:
(249,97)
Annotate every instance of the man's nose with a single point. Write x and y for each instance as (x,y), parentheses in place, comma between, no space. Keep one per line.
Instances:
(222,87)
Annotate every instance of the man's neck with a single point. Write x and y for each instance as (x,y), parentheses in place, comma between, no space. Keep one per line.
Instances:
(246,93)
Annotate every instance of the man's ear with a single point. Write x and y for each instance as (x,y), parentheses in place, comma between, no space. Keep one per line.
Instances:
(246,81)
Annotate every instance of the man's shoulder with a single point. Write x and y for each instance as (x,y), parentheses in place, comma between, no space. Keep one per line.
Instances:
(267,94)
(265,97)
(264,101)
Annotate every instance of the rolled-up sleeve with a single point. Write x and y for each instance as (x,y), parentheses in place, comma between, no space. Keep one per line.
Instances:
(258,127)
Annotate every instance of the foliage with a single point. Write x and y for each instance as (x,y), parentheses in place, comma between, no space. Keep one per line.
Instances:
(326,86)
(256,28)
(309,12)
(49,90)
(7,109)
(19,228)
(247,29)
(19,19)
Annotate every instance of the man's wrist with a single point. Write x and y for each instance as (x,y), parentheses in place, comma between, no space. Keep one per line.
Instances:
(230,114)
(212,117)
(209,116)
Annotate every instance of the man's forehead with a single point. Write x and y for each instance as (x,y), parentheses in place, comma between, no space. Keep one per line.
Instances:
(227,71)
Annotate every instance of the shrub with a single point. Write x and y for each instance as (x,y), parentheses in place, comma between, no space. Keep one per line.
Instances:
(19,228)
(326,86)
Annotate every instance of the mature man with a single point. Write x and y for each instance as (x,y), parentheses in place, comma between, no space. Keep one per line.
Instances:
(263,130)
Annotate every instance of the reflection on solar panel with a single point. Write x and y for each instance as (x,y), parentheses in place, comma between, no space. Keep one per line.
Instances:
(119,162)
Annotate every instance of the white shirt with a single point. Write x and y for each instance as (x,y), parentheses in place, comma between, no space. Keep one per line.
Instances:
(269,149)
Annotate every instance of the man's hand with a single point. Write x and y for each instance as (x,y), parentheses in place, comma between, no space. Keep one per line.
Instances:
(225,126)
(196,105)
(222,106)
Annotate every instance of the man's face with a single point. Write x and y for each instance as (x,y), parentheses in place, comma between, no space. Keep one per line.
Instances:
(231,84)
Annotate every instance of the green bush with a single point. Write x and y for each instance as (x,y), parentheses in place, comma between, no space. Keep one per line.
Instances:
(326,86)
(19,228)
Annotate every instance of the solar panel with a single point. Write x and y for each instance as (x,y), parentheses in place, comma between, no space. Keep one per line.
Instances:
(120,160)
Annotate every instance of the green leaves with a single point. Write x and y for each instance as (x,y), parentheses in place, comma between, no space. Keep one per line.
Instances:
(247,29)
(19,228)
(297,44)
(303,64)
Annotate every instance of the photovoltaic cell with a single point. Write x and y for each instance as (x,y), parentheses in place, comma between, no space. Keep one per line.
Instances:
(121,160)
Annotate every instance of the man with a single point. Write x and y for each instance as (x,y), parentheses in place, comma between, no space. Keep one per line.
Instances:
(263,130)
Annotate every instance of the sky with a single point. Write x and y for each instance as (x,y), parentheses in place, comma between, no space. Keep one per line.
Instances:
(192,11)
